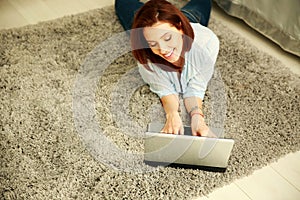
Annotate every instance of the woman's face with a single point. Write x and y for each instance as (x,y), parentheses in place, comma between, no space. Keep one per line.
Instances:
(165,40)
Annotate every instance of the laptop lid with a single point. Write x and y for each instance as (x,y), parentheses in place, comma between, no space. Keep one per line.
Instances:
(185,149)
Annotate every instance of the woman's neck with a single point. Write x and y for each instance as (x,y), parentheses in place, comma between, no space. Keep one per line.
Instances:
(180,62)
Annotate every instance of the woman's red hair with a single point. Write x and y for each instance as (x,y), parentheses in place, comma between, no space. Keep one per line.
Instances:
(149,14)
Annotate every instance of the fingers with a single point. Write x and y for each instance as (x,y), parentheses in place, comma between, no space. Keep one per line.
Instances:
(181,132)
(173,125)
(204,133)
(196,133)
(173,130)
(211,134)
(199,127)
(199,132)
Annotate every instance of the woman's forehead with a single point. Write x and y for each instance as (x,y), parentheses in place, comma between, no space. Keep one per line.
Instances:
(159,29)
(161,25)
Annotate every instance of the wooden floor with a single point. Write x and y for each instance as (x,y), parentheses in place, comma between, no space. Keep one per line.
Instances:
(15,13)
(280,180)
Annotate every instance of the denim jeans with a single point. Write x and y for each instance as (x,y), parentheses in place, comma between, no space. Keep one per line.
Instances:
(197,11)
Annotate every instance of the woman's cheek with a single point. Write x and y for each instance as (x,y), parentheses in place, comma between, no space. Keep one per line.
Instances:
(155,51)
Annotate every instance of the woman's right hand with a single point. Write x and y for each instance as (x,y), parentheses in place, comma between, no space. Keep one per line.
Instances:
(173,124)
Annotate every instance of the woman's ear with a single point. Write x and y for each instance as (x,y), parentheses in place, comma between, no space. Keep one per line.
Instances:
(180,28)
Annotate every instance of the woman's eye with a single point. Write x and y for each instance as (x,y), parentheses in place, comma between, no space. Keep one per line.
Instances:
(168,38)
(152,44)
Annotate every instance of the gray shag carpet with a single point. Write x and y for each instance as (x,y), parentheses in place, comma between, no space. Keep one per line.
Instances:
(43,155)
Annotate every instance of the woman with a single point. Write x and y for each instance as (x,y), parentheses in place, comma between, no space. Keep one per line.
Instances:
(176,54)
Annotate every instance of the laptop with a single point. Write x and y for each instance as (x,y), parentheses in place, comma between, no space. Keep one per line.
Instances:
(186,150)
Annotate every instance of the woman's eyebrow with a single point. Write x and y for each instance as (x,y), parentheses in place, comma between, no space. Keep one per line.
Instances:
(160,37)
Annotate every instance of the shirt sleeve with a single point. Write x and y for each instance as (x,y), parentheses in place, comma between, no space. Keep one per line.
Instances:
(203,68)
(158,81)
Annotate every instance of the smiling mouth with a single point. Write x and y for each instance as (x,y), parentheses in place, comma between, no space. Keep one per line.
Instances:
(169,54)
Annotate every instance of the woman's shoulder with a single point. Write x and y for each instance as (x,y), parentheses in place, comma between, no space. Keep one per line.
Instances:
(206,43)
(203,35)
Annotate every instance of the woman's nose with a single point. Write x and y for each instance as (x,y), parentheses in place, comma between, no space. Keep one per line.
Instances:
(163,48)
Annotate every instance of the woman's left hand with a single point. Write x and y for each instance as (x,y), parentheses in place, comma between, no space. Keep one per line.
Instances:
(199,127)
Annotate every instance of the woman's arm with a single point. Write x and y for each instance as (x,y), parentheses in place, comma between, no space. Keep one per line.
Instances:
(173,120)
(193,106)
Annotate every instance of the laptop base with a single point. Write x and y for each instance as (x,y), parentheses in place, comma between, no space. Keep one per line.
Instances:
(185,166)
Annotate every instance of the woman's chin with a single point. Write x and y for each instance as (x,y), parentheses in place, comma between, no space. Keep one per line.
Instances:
(173,59)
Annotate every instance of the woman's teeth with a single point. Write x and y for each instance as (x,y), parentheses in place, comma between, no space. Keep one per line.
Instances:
(169,54)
